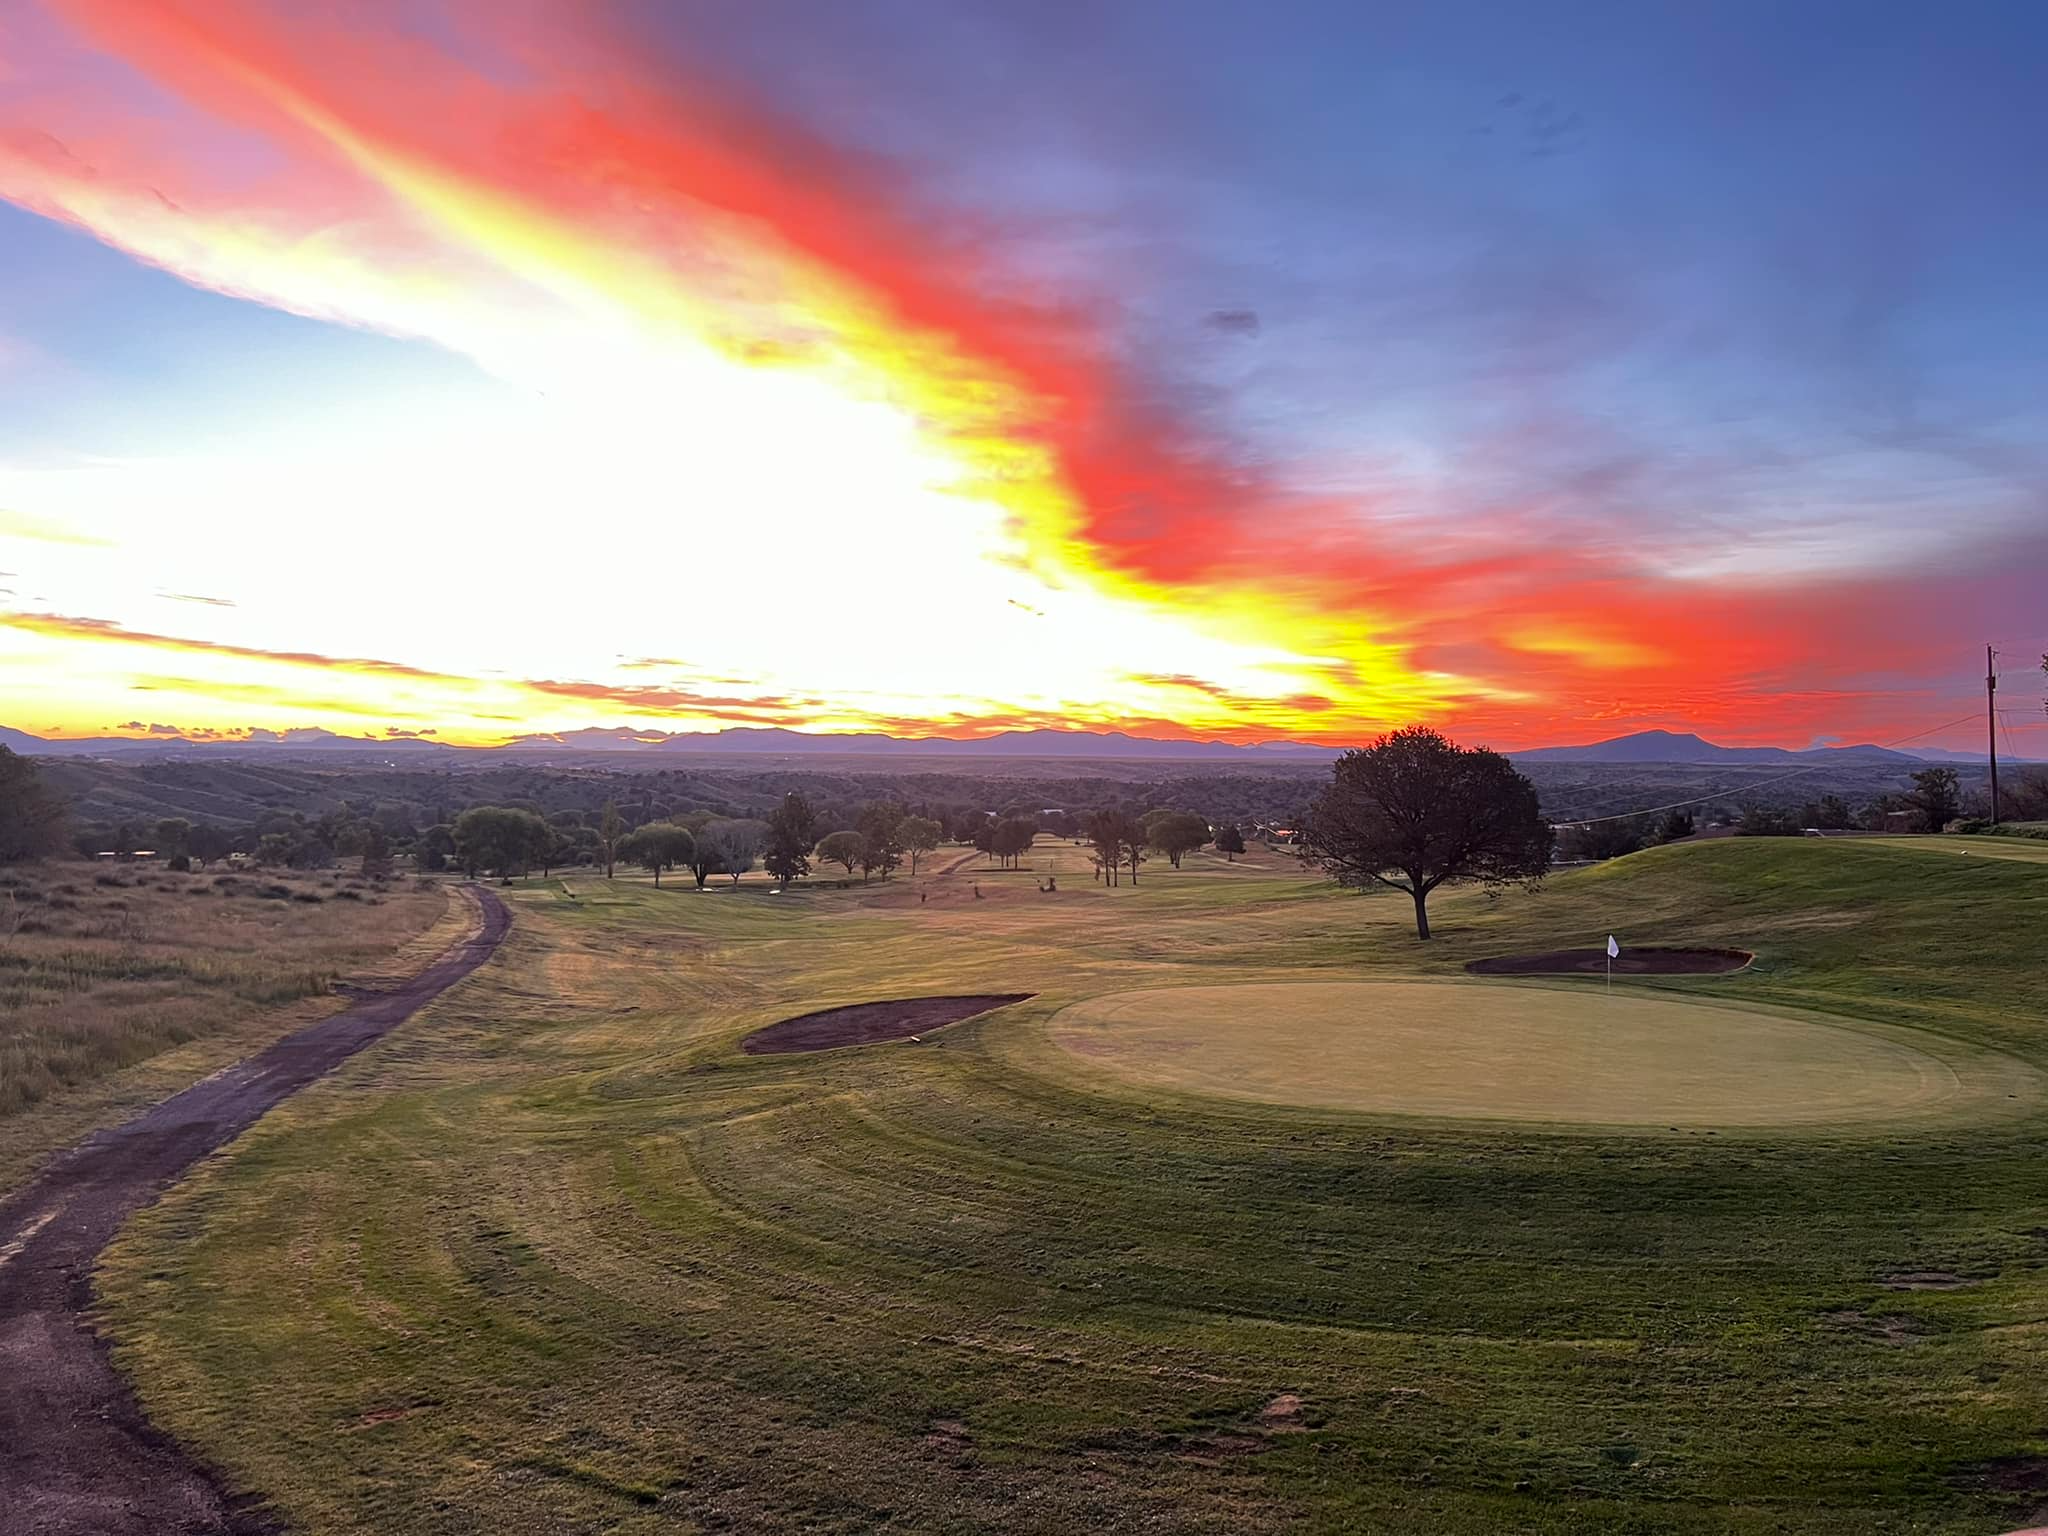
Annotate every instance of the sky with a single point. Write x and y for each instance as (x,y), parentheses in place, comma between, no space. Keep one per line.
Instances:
(1240,371)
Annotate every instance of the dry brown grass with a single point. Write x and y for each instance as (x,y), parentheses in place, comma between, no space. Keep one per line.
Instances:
(103,971)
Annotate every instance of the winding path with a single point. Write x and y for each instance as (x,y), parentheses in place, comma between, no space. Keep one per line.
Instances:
(77,1455)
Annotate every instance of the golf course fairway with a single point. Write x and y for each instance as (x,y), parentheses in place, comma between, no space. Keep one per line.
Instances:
(560,1255)
(1571,1054)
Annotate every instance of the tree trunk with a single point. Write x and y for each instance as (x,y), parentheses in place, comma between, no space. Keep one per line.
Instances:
(1421,914)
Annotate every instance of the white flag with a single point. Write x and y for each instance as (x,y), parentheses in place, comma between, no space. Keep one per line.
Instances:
(1613,948)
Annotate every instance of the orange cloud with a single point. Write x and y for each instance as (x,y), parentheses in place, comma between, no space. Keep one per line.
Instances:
(106,630)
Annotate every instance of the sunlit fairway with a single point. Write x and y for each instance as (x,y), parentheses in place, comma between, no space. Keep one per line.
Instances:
(558,1257)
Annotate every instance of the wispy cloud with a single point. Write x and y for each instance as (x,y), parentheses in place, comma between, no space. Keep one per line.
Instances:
(42,530)
(110,632)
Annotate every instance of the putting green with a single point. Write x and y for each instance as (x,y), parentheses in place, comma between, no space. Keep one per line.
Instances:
(1546,1054)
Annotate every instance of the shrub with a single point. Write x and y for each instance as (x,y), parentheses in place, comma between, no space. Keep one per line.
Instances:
(1762,821)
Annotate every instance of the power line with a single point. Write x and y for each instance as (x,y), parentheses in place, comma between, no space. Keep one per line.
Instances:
(1679,805)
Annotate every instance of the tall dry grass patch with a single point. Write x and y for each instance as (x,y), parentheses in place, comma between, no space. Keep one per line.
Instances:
(101,969)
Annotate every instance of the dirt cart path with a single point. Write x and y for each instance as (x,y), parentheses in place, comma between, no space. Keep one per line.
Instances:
(76,1454)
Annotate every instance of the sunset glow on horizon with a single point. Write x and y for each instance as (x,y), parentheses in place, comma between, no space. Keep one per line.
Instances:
(497,370)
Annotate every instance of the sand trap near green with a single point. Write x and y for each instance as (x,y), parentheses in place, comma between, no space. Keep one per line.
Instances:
(1535,1054)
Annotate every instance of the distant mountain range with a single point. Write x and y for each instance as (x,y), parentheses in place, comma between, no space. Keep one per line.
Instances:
(1684,747)
(1641,748)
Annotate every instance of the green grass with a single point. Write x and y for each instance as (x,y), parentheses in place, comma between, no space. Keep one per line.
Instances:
(2014,843)
(1576,1055)
(556,1257)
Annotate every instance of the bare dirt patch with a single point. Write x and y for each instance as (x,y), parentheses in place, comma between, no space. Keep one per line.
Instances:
(1928,1280)
(1630,962)
(1880,1327)
(2006,1474)
(1283,1415)
(948,1436)
(865,1023)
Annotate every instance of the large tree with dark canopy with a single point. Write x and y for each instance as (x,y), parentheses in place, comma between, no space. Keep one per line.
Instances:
(1175,833)
(879,827)
(657,846)
(500,837)
(792,833)
(846,848)
(1415,809)
(918,834)
(1117,836)
(1937,795)
(31,818)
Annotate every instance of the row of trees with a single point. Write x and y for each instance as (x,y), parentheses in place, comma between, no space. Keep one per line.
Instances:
(1935,801)
(883,837)
(506,841)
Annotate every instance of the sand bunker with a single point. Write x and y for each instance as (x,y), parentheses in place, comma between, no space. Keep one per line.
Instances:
(865,1023)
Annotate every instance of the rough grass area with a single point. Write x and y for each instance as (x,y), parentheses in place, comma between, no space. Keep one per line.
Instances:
(102,971)
(558,1257)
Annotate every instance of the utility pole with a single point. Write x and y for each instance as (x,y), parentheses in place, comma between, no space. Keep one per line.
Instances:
(1991,723)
